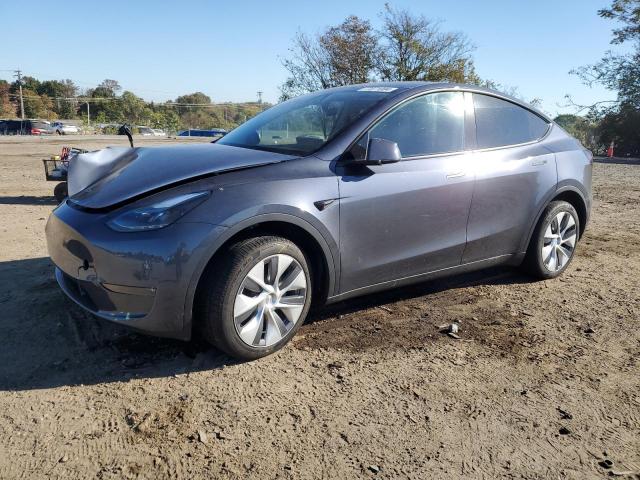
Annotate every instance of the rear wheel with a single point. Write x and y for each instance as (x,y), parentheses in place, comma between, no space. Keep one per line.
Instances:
(255,298)
(554,241)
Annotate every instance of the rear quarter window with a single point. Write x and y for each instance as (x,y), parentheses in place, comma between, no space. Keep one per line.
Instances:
(501,123)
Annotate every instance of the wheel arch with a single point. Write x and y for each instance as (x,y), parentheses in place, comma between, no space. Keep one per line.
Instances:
(569,194)
(320,253)
(578,202)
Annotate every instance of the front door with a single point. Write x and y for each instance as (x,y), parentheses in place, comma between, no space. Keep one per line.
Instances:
(404,219)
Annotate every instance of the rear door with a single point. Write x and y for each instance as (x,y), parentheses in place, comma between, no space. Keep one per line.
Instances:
(403,219)
(514,173)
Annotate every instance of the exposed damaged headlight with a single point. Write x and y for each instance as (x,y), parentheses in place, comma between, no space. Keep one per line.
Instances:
(157,215)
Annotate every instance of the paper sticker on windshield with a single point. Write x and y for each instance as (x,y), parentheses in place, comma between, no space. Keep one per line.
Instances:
(377,89)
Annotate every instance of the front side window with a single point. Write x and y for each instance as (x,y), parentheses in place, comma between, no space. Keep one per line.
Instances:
(500,123)
(427,125)
(305,124)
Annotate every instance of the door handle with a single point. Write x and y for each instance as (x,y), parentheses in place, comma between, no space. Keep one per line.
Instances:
(456,174)
(538,162)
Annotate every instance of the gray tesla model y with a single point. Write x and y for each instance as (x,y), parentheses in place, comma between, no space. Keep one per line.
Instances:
(321,198)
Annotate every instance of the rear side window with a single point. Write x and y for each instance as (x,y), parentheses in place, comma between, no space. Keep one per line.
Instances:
(430,124)
(500,123)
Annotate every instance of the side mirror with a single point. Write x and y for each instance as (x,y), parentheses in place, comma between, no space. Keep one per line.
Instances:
(382,151)
(125,130)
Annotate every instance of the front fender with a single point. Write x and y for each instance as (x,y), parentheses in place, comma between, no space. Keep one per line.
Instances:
(255,216)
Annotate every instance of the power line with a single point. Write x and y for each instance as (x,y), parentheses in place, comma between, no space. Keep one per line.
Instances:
(119,99)
(167,103)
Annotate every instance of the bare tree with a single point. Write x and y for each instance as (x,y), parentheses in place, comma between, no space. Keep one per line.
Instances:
(341,55)
(407,47)
(415,48)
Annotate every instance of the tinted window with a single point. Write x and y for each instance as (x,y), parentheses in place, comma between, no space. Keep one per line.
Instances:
(304,124)
(433,123)
(501,123)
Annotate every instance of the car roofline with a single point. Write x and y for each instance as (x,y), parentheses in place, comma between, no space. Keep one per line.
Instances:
(425,86)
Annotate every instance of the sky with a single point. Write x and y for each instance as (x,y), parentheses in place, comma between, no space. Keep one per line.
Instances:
(231,50)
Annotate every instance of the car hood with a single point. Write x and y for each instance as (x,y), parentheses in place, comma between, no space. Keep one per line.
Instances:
(130,173)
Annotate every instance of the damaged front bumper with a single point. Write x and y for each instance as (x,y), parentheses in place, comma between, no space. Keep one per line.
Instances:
(138,279)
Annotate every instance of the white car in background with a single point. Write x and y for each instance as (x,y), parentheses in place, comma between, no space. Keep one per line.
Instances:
(151,132)
(63,128)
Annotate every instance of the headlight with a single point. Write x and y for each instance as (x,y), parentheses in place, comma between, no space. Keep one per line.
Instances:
(157,215)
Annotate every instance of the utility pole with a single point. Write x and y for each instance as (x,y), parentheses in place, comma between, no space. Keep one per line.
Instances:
(19,75)
(88,115)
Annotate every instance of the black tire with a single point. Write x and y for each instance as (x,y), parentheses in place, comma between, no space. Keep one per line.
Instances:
(60,191)
(221,282)
(534,263)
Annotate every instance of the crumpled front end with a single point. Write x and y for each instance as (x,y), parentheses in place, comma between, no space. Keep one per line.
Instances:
(136,279)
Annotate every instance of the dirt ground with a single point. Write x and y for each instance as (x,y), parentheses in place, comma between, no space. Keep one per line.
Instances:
(544,382)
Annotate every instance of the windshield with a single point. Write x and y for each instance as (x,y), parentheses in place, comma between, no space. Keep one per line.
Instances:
(305,124)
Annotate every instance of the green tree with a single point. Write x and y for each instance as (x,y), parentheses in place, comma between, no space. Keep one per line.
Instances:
(620,126)
(582,128)
(626,12)
(107,89)
(194,110)
(61,92)
(37,106)
(132,109)
(197,119)
(165,118)
(106,103)
(619,72)
(30,83)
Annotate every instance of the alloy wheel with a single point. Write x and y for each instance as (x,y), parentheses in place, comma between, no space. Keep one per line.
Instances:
(559,241)
(270,300)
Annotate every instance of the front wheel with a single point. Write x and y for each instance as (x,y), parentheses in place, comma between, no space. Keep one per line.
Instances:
(554,241)
(60,192)
(255,297)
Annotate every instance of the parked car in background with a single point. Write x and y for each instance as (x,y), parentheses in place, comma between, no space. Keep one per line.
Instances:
(61,128)
(328,196)
(145,131)
(159,132)
(40,127)
(24,127)
(192,132)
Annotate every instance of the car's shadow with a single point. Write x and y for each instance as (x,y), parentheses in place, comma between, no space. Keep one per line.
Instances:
(490,276)
(48,342)
(28,200)
(618,160)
